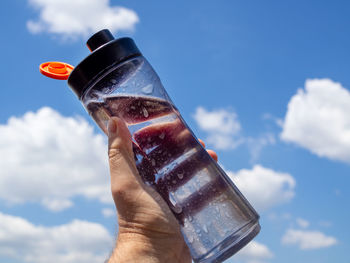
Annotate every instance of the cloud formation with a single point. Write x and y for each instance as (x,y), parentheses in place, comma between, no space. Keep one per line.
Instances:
(61,17)
(308,240)
(77,241)
(256,145)
(302,222)
(224,132)
(108,212)
(254,252)
(222,127)
(264,187)
(48,158)
(318,119)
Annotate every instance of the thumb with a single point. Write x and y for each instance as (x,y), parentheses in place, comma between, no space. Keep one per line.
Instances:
(125,179)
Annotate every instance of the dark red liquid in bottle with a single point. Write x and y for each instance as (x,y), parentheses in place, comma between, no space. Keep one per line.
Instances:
(167,154)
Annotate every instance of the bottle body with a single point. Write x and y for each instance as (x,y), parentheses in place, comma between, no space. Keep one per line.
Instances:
(215,219)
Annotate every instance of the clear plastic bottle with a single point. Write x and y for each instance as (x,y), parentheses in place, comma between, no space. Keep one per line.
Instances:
(116,80)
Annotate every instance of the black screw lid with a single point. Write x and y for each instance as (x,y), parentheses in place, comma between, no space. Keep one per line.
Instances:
(106,52)
(99,39)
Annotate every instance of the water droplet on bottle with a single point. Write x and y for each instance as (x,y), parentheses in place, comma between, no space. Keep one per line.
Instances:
(190,218)
(113,81)
(147,89)
(190,239)
(222,234)
(177,209)
(145,112)
(174,181)
(205,228)
(133,107)
(180,175)
(162,135)
(198,231)
(153,162)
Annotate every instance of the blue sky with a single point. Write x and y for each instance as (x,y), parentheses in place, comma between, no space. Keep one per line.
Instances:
(264,83)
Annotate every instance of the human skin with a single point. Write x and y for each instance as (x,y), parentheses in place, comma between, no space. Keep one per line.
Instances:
(148,231)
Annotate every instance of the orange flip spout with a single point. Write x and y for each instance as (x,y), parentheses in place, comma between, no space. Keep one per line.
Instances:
(56,70)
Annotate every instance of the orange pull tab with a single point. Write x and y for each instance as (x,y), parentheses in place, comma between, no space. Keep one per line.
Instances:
(56,70)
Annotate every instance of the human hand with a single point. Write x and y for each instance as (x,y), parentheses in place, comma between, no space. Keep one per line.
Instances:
(148,230)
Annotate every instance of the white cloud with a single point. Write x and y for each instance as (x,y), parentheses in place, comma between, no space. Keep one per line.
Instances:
(308,240)
(279,217)
(221,121)
(264,187)
(325,223)
(302,222)
(77,241)
(318,119)
(108,212)
(80,17)
(48,158)
(222,127)
(254,252)
(56,205)
(277,121)
(257,144)
(224,132)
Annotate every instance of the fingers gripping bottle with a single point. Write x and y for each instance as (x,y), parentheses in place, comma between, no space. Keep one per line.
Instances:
(116,80)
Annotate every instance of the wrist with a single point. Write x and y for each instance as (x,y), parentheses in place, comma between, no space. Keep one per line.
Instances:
(130,251)
(133,247)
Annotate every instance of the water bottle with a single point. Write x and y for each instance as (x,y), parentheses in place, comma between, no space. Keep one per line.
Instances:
(116,80)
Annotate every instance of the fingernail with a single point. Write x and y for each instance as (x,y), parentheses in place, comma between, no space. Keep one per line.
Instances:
(112,127)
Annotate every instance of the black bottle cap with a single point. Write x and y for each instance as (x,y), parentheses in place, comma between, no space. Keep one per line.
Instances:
(99,39)
(106,52)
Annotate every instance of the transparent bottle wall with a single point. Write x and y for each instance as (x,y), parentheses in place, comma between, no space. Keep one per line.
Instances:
(215,218)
